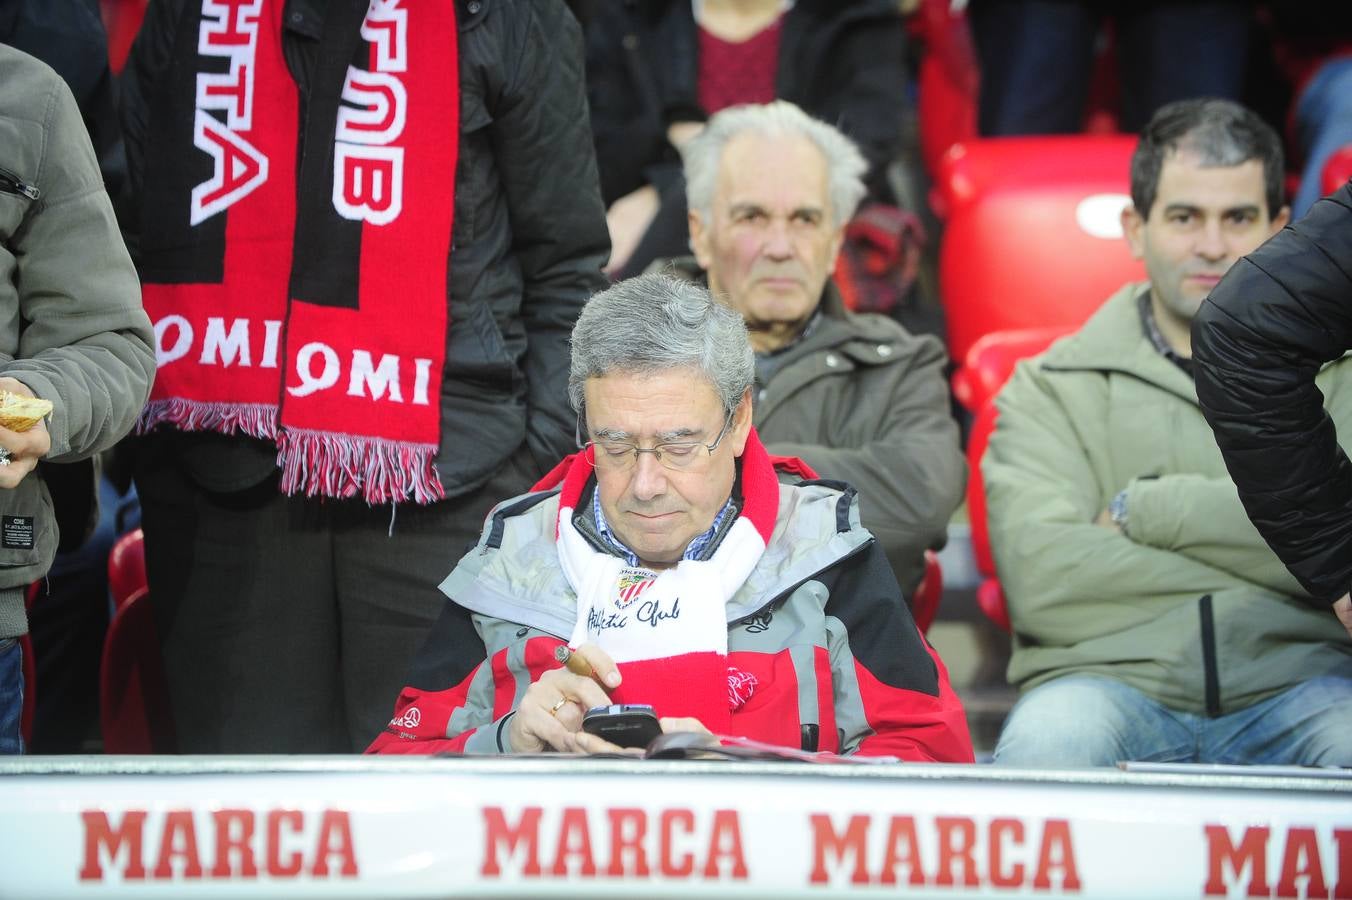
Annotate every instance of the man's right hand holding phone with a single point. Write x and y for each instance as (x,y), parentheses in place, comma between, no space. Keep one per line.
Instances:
(550,714)
(551,711)
(595,743)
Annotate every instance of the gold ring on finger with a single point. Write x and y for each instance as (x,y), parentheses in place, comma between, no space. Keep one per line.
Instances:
(554,710)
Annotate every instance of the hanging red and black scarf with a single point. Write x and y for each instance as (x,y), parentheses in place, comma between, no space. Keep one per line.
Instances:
(295,247)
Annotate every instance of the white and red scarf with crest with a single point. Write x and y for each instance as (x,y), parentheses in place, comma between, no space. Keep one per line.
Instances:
(668,630)
(295,246)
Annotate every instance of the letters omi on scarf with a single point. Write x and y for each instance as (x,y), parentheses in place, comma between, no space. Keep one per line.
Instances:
(307,303)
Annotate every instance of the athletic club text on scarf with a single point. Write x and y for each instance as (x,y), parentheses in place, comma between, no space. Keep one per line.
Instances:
(306,304)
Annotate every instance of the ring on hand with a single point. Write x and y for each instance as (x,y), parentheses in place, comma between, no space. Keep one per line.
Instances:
(4,456)
(554,710)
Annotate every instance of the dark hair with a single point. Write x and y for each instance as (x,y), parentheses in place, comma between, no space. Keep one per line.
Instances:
(1219,133)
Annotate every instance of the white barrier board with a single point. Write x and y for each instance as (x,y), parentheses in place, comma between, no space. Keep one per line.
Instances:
(322,827)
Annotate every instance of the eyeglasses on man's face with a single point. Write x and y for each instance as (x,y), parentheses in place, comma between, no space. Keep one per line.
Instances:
(621,456)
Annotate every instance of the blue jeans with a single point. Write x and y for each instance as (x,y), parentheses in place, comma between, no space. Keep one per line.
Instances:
(1088,720)
(11,696)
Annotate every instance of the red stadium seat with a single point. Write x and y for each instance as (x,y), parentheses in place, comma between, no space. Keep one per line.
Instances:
(989,596)
(121,19)
(925,600)
(948,79)
(1337,170)
(993,370)
(991,360)
(30,670)
(1033,234)
(127,566)
(133,694)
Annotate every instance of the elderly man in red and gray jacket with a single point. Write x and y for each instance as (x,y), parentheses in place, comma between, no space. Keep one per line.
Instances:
(691,573)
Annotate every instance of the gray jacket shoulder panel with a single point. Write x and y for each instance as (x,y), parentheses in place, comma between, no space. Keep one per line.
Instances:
(516,576)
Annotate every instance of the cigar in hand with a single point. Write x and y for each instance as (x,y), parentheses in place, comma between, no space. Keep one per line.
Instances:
(577,664)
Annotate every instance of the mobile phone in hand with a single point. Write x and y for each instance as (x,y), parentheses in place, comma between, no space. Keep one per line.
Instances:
(624,725)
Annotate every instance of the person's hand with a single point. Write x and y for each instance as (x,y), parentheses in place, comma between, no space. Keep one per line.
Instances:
(551,710)
(628,219)
(1342,608)
(671,724)
(25,447)
(590,743)
(1105,520)
(680,133)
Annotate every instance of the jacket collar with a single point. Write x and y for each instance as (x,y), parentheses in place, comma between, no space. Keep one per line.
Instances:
(520,579)
(1114,340)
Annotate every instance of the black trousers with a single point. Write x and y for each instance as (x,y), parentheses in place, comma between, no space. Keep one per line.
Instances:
(288,624)
(1037,57)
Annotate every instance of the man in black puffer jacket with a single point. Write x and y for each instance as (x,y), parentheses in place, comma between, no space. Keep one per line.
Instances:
(1280,314)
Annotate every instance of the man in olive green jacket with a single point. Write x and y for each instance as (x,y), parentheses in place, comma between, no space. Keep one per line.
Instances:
(72,330)
(857,397)
(1150,619)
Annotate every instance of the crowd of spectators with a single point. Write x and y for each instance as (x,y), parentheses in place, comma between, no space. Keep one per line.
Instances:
(374,244)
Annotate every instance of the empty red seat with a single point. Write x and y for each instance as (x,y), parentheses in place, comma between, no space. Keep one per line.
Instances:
(127,566)
(1033,232)
(991,361)
(948,79)
(29,663)
(134,711)
(994,369)
(925,601)
(121,20)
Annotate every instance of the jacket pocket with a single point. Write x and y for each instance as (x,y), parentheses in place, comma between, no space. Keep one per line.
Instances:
(16,196)
(11,183)
(27,532)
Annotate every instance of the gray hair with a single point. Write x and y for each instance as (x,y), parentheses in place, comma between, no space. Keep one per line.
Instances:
(654,323)
(845,165)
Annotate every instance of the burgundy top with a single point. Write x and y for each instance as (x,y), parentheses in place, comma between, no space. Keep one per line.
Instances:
(733,73)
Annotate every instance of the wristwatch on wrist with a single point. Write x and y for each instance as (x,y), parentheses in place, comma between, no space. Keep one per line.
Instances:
(1117,510)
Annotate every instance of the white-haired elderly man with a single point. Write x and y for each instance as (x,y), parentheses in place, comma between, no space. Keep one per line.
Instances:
(669,556)
(862,400)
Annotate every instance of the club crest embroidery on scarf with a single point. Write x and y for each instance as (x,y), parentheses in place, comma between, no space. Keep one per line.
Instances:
(301,298)
(632,583)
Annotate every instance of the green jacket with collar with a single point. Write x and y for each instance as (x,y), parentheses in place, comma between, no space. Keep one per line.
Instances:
(1189,605)
(864,401)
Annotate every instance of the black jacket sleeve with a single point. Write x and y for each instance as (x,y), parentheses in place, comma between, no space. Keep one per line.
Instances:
(1258,341)
(628,109)
(542,144)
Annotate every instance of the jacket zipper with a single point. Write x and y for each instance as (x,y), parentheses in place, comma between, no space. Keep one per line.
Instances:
(12,184)
(1210,674)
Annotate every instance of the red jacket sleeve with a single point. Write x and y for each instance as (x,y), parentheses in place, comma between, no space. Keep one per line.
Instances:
(904,705)
(458,698)
(913,724)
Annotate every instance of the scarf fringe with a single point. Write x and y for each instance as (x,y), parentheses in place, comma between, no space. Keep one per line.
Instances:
(257,420)
(381,471)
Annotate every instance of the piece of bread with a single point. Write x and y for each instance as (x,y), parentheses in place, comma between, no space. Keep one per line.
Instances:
(22,413)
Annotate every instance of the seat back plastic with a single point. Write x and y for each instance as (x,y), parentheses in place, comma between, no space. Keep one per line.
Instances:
(1033,236)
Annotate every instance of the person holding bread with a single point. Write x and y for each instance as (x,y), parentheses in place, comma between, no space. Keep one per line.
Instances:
(75,345)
